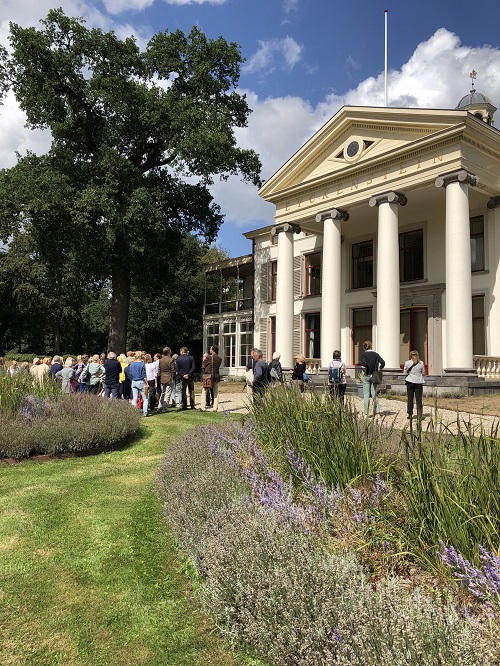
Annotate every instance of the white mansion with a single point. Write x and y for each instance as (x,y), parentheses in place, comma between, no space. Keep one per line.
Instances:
(387,228)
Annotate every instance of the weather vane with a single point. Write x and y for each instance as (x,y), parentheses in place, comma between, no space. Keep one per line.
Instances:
(473,75)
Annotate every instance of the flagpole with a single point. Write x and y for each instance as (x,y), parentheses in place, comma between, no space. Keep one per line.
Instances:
(386,11)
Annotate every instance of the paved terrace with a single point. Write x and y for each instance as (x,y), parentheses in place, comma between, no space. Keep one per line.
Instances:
(392,412)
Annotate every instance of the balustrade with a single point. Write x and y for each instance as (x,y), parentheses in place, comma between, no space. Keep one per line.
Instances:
(487,367)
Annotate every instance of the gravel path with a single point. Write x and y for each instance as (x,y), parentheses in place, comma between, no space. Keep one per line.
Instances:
(392,412)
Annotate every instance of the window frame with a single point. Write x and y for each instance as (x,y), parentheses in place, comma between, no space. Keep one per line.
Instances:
(477,236)
(307,331)
(354,261)
(354,328)
(273,279)
(308,268)
(402,251)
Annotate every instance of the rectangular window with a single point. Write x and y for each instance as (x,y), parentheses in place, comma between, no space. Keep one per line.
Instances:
(245,341)
(213,335)
(362,265)
(361,331)
(477,243)
(411,256)
(272,331)
(229,345)
(312,335)
(313,274)
(478,326)
(273,276)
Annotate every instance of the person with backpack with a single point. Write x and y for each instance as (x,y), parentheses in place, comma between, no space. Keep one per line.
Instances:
(275,370)
(372,364)
(337,381)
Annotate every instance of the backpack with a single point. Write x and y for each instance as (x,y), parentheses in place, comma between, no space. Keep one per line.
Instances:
(273,373)
(335,374)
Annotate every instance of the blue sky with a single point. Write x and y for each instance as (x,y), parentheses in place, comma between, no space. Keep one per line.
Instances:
(305,59)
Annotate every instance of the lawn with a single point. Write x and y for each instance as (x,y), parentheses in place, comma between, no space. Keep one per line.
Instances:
(89,574)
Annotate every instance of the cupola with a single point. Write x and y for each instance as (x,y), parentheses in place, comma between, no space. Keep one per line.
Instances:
(477,103)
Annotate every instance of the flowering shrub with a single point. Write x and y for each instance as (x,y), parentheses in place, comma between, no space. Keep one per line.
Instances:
(33,407)
(73,422)
(267,576)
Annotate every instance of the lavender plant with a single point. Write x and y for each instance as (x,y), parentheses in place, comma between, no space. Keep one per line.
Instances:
(74,422)
(484,581)
(14,390)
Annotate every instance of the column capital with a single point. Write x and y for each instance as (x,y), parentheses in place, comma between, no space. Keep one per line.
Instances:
(494,202)
(334,213)
(458,176)
(388,197)
(285,227)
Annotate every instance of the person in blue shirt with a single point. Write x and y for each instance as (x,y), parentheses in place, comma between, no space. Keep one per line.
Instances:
(137,374)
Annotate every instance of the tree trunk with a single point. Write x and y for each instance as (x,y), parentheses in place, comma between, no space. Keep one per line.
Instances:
(120,303)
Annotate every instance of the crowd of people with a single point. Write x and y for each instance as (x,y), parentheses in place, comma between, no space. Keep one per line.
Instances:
(157,382)
(166,380)
(261,374)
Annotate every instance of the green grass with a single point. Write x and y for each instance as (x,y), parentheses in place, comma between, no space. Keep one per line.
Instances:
(89,575)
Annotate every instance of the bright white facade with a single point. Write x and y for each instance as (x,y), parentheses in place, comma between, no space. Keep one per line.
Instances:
(387,228)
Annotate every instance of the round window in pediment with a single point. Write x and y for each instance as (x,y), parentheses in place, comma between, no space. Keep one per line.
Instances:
(353,148)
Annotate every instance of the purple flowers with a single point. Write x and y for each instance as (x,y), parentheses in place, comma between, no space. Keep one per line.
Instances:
(310,503)
(483,583)
(32,407)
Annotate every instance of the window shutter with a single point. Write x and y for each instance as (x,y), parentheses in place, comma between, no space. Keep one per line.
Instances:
(263,336)
(264,282)
(297,263)
(296,335)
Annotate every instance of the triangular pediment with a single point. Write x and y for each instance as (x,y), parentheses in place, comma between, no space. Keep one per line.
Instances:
(357,137)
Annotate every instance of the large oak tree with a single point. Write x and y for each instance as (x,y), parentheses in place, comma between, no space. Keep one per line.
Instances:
(137,139)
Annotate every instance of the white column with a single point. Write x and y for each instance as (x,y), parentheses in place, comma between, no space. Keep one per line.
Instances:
(494,302)
(284,292)
(331,277)
(388,306)
(459,350)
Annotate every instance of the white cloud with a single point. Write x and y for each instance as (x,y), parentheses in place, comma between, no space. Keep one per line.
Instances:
(265,56)
(290,6)
(119,6)
(16,137)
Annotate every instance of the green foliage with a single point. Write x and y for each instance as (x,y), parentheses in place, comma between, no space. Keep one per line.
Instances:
(451,487)
(338,445)
(123,144)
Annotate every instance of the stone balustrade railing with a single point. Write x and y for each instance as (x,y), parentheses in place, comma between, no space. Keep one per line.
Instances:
(487,367)
(313,366)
